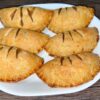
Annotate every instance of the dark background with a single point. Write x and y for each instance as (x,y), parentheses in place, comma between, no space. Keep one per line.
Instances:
(92,93)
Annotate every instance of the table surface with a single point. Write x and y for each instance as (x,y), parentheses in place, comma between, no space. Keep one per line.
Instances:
(92,93)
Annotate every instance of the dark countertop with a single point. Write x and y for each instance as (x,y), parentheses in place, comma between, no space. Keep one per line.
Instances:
(92,93)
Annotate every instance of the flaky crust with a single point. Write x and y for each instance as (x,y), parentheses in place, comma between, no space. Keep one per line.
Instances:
(66,19)
(73,42)
(25,39)
(26,17)
(16,64)
(70,71)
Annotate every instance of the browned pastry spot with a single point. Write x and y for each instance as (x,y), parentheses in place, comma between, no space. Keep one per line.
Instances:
(1,47)
(21,16)
(63,37)
(13,14)
(70,35)
(75,8)
(17,32)
(97,38)
(66,9)
(78,33)
(17,52)
(52,55)
(59,11)
(78,57)
(10,48)
(69,60)
(61,60)
(30,13)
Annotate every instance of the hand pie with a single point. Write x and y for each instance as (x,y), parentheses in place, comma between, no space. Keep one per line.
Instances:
(16,64)
(26,17)
(73,42)
(70,71)
(66,19)
(24,39)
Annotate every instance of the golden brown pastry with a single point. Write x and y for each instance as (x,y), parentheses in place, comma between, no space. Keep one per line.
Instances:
(24,39)
(73,42)
(70,71)
(26,17)
(16,64)
(66,19)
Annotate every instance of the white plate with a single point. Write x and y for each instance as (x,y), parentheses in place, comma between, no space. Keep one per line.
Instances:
(33,86)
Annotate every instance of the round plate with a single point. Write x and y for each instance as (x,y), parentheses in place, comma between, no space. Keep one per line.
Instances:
(33,86)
